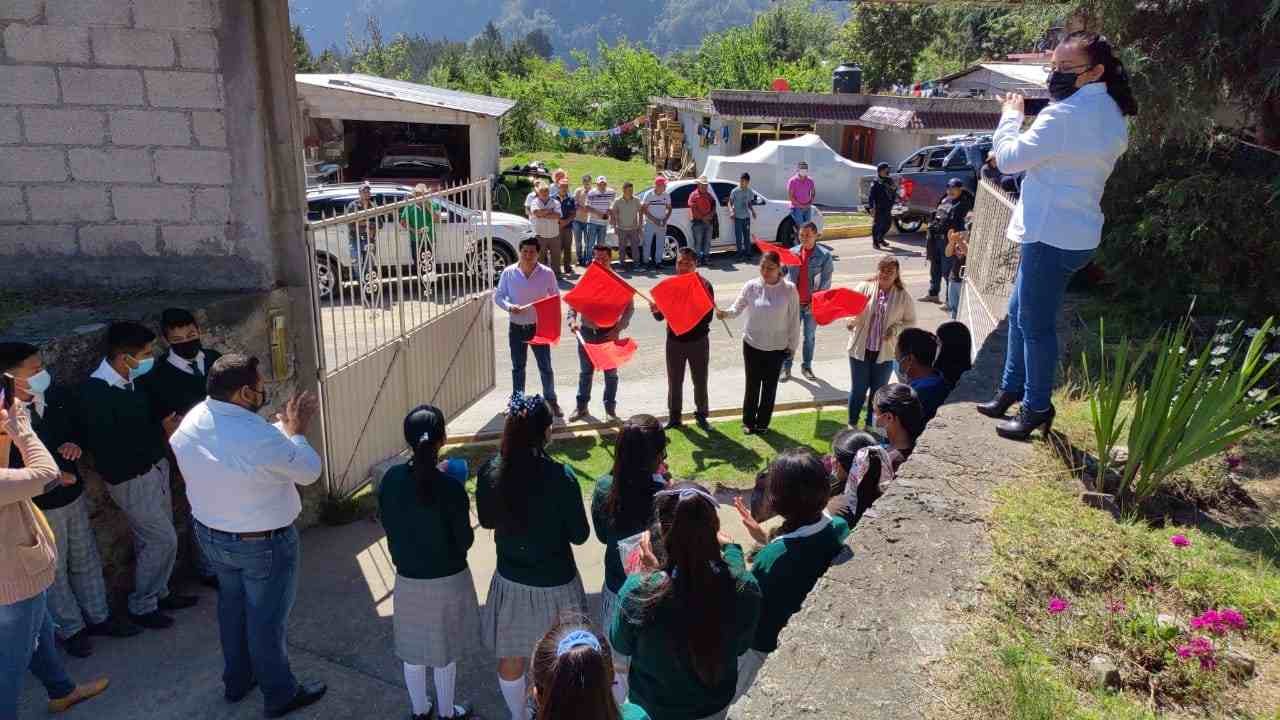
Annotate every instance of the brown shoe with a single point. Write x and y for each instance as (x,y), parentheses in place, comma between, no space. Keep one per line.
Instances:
(83,692)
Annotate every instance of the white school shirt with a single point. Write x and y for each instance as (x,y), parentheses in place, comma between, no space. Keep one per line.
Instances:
(1068,153)
(108,375)
(773,314)
(189,367)
(241,472)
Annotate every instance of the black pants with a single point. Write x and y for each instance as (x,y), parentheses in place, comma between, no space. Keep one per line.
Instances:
(935,245)
(763,368)
(880,227)
(697,355)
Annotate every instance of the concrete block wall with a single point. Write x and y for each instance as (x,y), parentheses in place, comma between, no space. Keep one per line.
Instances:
(115,165)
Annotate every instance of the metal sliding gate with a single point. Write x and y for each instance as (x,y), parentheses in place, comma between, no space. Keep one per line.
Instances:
(991,265)
(402,296)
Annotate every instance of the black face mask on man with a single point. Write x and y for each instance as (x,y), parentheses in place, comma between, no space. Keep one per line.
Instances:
(1062,85)
(186,350)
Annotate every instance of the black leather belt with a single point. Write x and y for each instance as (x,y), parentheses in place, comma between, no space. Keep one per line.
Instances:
(257,535)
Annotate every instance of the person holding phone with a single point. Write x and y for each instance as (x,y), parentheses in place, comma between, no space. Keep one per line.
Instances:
(426,514)
(78,597)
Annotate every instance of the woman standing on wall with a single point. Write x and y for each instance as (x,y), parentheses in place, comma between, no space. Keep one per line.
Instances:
(1068,153)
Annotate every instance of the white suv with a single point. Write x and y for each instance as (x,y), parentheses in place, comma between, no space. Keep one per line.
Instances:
(772,221)
(454,249)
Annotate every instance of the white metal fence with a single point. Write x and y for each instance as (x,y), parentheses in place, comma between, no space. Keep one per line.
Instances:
(402,294)
(990,266)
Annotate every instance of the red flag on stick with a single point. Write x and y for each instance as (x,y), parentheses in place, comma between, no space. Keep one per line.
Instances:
(549,321)
(683,299)
(788,257)
(831,305)
(600,296)
(610,354)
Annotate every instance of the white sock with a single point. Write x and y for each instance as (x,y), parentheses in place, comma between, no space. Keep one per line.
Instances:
(619,688)
(445,678)
(415,679)
(515,693)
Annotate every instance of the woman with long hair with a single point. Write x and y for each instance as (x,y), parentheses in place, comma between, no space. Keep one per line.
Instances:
(955,351)
(622,504)
(873,334)
(534,506)
(899,415)
(1068,153)
(862,469)
(771,335)
(572,674)
(793,559)
(681,628)
(427,517)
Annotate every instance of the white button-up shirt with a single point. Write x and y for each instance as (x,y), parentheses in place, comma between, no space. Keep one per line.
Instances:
(190,367)
(514,288)
(240,470)
(1068,154)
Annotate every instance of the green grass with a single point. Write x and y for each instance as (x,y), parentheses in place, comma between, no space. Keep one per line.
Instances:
(577,165)
(845,220)
(724,455)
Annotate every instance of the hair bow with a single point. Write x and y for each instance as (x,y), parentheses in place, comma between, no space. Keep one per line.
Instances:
(577,638)
(687,492)
(862,462)
(521,405)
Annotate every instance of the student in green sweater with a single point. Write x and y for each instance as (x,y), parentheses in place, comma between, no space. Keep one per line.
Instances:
(128,449)
(534,506)
(802,549)
(622,504)
(176,383)
(679,630)
(572,674)
(427,517)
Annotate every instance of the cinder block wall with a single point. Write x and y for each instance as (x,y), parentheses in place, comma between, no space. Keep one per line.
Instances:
(115,165)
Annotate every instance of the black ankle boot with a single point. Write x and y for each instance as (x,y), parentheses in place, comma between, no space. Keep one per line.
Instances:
(999,405)
(1021,427)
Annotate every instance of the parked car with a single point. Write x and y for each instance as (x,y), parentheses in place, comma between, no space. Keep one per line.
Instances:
(413,164)
(455,249)
(922,177)
(772,222)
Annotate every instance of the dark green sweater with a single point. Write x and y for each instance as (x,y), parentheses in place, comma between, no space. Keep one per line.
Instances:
(426,541)
(609,530)
(539,555)
(119,430)
(662,681)
(174,391)
(787,569)
(53,428)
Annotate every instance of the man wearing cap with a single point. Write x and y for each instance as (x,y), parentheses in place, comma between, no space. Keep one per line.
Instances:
(949,216)
(801,191)
(599,201)
(625,217)
(702,212)
(544,211)
(362,232)
(880,205)
(656,209)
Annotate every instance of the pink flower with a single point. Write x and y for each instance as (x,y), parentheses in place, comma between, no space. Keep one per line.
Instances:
(1057,606)
(1233,462)
(1180,541)
(1116,607)
(1233,618)
(1200,648)
(1219,622)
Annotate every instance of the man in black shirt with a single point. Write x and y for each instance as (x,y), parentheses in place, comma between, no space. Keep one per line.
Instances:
(692,348)
(880,204)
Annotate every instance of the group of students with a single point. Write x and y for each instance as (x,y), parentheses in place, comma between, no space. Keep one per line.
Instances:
(121,415)
(686,621)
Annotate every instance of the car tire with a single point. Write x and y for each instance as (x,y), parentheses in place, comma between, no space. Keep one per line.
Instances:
(328,277)
(909,226)
(502,257)
(786,233)
(674,240)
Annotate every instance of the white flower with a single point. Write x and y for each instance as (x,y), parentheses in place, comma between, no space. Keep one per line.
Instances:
(1217,361)
(1221,350)
(1258,394)
(1194,362)
(1225,322)
(1275,331)
(1251,332)
(1223,338)
(1182,350)
(1271,357)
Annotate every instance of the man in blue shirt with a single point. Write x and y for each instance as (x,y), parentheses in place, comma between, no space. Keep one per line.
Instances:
(916,352)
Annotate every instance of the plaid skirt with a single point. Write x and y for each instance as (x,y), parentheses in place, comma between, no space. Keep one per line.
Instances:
(515,616)
(436,621)
(608,606)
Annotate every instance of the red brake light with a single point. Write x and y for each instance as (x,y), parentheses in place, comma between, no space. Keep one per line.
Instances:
(905,189)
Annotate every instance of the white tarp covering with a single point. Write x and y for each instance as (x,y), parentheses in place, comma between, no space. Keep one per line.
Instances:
(773,163)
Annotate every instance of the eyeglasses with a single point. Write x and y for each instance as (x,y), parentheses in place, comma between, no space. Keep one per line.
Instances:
(1049,69)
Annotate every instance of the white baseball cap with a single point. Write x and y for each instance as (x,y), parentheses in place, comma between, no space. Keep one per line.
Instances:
(602,179)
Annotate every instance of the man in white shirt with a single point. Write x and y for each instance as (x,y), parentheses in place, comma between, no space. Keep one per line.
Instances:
(656,208)
(519,287)
(544,211)
(241,475)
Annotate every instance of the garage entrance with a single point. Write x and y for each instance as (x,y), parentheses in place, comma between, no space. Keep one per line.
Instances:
(412,151)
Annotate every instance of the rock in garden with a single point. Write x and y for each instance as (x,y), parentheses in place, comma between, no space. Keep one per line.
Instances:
(1101,501)
(1238,664)
(1104,672)
(1119,455)
(1165,620)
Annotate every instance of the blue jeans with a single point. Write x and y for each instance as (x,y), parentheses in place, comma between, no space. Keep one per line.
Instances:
(580,241)
(701,238)
(257,584)
(594,236)
(518,337)
(26,643)
(954,289)
(1031,358)
(868,376)
(800,216)
(654,245)
(586,372)
(809,326)
(742,235)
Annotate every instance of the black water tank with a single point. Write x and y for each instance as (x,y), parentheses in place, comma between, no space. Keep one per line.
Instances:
(847,79)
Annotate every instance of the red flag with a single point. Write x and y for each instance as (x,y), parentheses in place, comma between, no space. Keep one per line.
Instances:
(831,305)
(683,299)
(549,320)
(600,296)
(610,354)
(788,257)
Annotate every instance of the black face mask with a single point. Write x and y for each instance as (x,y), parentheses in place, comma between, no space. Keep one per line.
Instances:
(186,350)
(1062,85)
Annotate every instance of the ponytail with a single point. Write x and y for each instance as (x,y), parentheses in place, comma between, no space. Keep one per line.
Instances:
(424,433)
(1100,52)
(572,673)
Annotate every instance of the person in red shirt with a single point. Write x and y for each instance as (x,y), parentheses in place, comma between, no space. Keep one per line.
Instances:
(702,212)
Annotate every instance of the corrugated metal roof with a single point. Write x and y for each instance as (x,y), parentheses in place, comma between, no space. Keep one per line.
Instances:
(411,93)
(884,111)
(1030,73)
